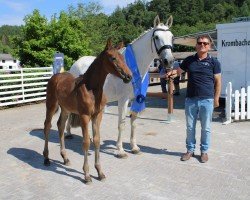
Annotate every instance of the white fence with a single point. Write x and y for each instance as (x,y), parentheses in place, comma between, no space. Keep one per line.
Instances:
(237,104)
(23,85)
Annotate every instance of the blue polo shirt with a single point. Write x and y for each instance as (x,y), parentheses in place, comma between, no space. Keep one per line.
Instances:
(200,75)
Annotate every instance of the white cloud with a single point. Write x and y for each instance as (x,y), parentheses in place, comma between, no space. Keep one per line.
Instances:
(16,6)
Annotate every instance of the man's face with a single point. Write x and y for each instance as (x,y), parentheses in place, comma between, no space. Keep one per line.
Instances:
(203,45)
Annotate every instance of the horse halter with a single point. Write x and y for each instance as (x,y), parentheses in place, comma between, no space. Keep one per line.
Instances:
(164,46)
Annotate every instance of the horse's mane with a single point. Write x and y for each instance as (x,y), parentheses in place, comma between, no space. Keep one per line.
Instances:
(140,36)
(144,33)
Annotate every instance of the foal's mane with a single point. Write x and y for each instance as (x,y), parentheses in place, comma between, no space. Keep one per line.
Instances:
(84,78)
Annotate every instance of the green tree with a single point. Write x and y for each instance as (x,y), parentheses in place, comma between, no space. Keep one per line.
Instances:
(41,39)
(161,7)
(95,24)
(32,46)
(66,36)
(245,9)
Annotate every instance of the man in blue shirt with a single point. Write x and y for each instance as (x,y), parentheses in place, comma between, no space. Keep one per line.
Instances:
(203,92)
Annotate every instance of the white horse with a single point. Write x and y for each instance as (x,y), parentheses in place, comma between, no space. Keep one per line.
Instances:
(154,43)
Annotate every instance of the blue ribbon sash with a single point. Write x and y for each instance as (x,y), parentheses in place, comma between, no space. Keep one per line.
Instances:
(140,84)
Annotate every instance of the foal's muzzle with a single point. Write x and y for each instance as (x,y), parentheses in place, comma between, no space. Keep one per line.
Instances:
(124,76)
(127,78)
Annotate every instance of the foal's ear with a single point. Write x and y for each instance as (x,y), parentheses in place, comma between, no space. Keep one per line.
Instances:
(157,21)
(109,44)
(119,46)
(169,21)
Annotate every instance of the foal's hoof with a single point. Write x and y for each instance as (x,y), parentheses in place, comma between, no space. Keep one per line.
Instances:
(69,137)
(88,181)
(67,162)
(122,155)
(46,162)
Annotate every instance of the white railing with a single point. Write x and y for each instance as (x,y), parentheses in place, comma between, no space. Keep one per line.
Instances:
(237,104)
(23,85)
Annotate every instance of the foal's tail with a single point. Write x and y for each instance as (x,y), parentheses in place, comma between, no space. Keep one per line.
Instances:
(74,120)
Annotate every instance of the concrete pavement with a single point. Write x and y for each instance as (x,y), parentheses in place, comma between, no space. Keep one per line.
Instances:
(157,173)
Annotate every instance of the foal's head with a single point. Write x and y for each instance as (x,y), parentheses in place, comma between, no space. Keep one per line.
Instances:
(115,63)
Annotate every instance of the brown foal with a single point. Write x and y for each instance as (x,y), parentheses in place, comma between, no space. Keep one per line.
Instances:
(83,96)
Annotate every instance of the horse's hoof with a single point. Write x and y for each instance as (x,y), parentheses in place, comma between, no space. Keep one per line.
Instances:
(122,155)
(136,151)
(102,177)
(67,162)
(46,162)
(69,137)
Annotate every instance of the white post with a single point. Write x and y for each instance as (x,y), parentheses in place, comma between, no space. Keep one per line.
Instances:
(248,102)
(242,104)
(228,104)
(22,84)
(237,106)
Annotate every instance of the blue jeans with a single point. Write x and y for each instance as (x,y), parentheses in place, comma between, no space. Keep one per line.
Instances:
(203,108)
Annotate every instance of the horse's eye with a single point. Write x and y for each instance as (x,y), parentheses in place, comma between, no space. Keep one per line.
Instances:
(156,37)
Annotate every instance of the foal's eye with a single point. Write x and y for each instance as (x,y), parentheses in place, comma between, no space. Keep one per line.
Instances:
(113,59)
(156,37)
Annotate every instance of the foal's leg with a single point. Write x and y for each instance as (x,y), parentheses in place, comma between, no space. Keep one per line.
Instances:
(51,107)
(96,139)
(68,134)
(122,111)
(135,148)
(61,126)
(85,145)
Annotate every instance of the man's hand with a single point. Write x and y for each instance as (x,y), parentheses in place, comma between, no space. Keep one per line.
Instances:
(171,74)
(216,103)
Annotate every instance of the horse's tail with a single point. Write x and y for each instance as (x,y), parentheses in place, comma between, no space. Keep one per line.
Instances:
(74,120)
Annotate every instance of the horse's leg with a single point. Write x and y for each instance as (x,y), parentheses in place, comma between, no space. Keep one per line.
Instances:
(134,148)
(51,107)
(122,111)
(68,134)
(96,140)
(85,146)
(61,126)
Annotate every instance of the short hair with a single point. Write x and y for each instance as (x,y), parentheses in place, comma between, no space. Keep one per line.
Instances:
(204,36)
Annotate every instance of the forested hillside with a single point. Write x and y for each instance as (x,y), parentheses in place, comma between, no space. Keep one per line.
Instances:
(83,30)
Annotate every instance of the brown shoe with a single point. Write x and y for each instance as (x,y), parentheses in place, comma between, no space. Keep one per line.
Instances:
(204,157)
(187,156)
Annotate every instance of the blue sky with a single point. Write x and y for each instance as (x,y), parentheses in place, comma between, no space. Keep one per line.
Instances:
(12,12)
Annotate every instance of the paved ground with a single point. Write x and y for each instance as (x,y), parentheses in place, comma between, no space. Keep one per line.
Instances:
(157,173)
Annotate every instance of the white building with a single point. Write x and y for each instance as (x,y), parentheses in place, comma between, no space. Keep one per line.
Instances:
(233,54)
(8,62)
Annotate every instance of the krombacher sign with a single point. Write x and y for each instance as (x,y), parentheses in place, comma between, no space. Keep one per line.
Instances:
(235,43)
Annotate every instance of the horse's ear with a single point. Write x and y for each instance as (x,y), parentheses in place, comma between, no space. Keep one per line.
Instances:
(169,21)
(156,21)
(109,44)
(119,46)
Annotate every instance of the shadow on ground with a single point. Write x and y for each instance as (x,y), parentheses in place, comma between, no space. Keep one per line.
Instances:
(107,146)
(35,160)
